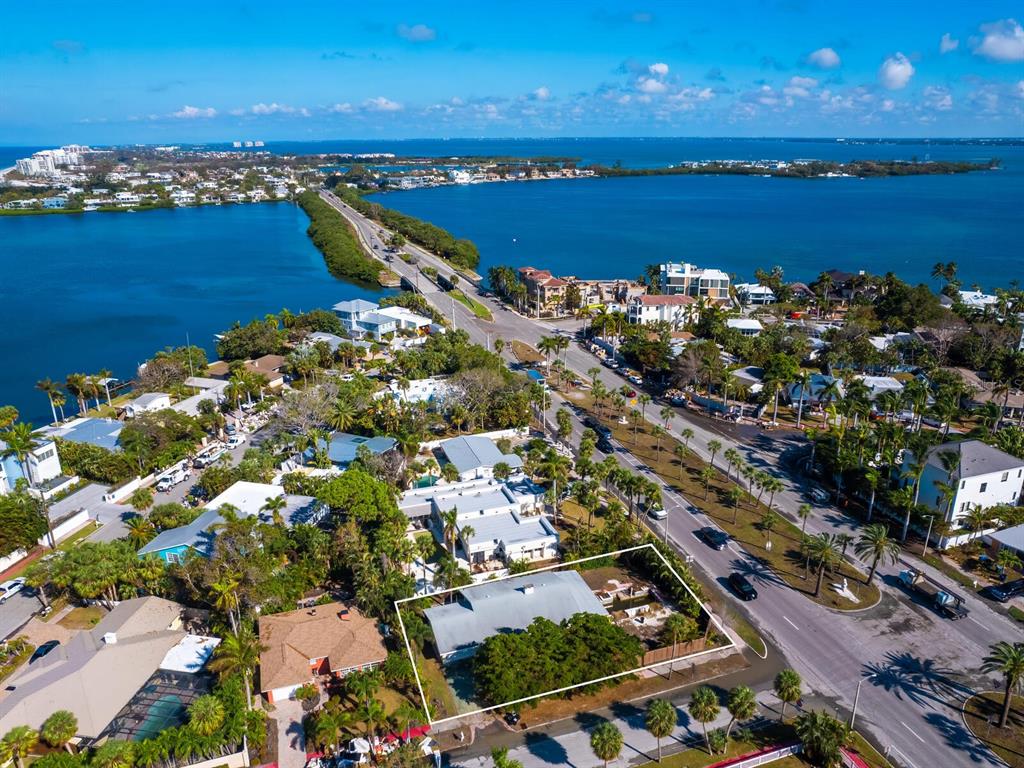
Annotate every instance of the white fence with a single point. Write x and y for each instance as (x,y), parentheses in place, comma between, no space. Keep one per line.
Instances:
(765,757)
(237,760)
(496,435)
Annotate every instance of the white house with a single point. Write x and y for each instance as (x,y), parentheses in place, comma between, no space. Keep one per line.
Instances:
(878,385)
(755,294)
(984,477)
(677,310)
(688,280)
(365,318)
(475,456)
(42,464)
(126,198)
(147,403)
(747,326)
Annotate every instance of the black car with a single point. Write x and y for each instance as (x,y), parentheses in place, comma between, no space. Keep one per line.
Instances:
(1001,593)
(604,445)
(743,588)
(598,427)
(714,538)
(512,718)
(43,649)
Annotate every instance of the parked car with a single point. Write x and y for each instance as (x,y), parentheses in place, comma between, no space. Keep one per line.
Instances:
(713,537)
(12,587)
(820,495)
(635,380)
(609,363)
(42,650)
(628,392)
(1002,593)
(742,587)
(512,718)
(235,440)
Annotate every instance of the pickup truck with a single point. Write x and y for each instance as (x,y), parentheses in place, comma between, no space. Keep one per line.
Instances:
(945,602)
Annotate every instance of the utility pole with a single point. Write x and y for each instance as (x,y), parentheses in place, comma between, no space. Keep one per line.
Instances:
(928,536)
(856,700)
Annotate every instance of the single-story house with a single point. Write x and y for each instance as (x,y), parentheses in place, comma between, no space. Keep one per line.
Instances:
(414,390)
(342,447)
(475,456)
(103,433)
(878,385)
(984,391)
(330,339)
(507,605)
(750,377)
(1009,538)
(817,387)
(248,500)
(147,403)
(747,326)
(328,639)
(97,672)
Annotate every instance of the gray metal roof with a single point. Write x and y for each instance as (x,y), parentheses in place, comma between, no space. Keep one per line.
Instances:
(976,458)
(505,606)
(508,528)
(355,305)
(471,452)
(195,535)
(1011,538)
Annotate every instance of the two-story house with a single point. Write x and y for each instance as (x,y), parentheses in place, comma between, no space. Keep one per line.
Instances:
(678,310)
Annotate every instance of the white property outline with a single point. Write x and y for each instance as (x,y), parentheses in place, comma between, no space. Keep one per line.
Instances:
(419,683)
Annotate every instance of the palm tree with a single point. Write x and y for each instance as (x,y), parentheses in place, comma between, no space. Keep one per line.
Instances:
(606,741)
(20,440)
(18,742)
(238,654)
(704,708)
(735,495)
(660,720)
(226,599)
(803,385)
(825,549)
(1007,660)
(59,729)
(114,754)
(714,447)
(742,705)
(450,528)
(680,453)
(768,521)
(206,715)
(140,531)
(823,737)
(51,389)
(874,543)
(732,459)
(342,415)
(707,474)
(141,499)
(687,434)
(804,512)
(787,687)
(677,628)
(275,505)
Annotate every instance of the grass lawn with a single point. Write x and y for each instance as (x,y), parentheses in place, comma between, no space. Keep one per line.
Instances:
(684,476)
(72,541)
(573,515)
(524,353)
(83,618)
(435,687)
(1006,742)
(474,306)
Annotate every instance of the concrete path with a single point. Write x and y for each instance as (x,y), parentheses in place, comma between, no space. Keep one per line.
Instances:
(291,738)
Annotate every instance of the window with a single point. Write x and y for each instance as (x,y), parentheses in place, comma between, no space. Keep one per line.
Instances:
(1006,476)
(173,558)
(963,484)
(984,487)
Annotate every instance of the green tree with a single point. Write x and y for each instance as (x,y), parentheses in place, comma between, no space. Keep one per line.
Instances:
(823,737)
(141,499)
(874,544)
(704,708)
(707,474)
(114,754)
(17,743)
(768,522)
(660,720)
(804,512)
(206,715)
(238,654)
(606,741)
(742,705)
(1008,661)
(20,440)
(789,688)
(59,729)
(714,446)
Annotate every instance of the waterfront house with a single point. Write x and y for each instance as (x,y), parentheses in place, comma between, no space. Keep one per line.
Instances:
(475,456)
(42,464)
(755,294)
(147,403)
(677,310)
(688,280)
(507,605)
(983,476)
(332,639)
(545,293)
(103,433)
(55,202)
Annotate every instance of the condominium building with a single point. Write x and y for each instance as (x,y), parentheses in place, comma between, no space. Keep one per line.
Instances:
(688,280)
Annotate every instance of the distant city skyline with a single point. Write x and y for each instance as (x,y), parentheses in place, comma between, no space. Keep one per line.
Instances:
(221,72)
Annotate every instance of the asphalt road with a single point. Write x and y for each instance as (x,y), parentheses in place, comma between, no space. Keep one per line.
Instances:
(916,666)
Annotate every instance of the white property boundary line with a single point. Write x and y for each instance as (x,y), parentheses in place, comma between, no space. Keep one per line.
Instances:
(419,683)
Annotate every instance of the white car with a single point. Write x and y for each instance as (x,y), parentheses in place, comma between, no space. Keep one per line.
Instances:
(235,440)
(820,495)
(657,513)
(12,587)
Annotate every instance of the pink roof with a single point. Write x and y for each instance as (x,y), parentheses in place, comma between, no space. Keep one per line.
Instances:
(657,301)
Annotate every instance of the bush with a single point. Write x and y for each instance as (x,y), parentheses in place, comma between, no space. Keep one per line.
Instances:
(337,241)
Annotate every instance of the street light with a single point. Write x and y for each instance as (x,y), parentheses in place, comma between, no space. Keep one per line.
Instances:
(931,519)
(856,699)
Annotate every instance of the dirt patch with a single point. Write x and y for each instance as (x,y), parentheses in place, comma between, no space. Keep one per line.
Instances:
(83,618)
(38,632)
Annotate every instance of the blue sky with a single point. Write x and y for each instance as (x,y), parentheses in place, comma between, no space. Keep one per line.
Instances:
(157,72)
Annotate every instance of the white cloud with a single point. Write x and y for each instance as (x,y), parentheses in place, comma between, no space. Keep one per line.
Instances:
(277,109)
(650,85)
(1003,41)
(381,104)
(191,113)
(417,33)
(948,43)
(824,58)
(799,87)
(938,98)
(888,105)
(542,94)
(1019,88)
(659,69)
(342,108)
(237,112)
(895,72)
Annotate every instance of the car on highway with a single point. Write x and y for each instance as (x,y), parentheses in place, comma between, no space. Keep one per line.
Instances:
(742,587)
(714,537)
(9,588)
(604,445)
(820,495)
(657,513)
(609,363)
(42,650)
(1002,593)
(597,426)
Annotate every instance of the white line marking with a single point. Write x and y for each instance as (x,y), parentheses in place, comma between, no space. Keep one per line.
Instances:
(978,623)
(794,626)
(913,733)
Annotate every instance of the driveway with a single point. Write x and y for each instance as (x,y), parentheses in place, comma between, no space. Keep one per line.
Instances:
(291,737)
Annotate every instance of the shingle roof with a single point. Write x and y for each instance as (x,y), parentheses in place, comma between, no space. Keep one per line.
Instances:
(292,639)
(976,458)
(507,606)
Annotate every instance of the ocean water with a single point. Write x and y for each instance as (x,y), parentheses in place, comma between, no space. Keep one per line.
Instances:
(613,227)
(104,290)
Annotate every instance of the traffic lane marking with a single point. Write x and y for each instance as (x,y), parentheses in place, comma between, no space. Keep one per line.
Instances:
(794,626)
(913,732)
